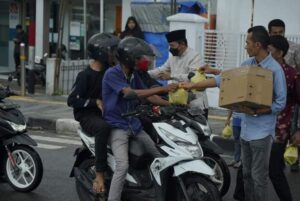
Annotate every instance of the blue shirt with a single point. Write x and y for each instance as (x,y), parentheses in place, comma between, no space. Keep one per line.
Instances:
(259,127)
(115,105)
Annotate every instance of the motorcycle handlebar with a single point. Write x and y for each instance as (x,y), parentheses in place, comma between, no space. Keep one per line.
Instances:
(148,110)
(128,114)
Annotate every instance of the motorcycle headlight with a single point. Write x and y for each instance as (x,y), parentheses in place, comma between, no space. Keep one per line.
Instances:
(16,127)
(194,149)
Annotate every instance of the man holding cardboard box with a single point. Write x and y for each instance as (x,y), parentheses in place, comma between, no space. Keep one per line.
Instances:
(258,123)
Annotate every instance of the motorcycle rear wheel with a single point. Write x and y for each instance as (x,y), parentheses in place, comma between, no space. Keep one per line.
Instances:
(86,193)
(29,169)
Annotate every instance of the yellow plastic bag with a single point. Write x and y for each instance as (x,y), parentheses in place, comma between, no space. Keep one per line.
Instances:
(227,132)
(180,97)
(198,77)
(291,154)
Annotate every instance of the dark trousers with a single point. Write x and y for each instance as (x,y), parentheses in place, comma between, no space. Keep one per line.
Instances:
(17,60)
(94,125)
(276,173)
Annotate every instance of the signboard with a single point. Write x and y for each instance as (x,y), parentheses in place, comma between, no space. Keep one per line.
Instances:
(74,43)
(75,28)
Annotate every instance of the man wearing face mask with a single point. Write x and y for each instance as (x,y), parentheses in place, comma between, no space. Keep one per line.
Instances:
(183,61)
(122,88)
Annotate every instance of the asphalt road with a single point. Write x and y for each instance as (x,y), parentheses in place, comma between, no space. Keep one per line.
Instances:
(57,154)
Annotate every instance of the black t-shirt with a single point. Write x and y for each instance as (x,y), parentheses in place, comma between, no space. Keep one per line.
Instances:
(86,90)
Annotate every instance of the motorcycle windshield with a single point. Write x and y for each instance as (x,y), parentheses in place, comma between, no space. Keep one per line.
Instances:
(13,115)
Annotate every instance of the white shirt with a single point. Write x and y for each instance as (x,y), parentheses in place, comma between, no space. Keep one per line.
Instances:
(179,67)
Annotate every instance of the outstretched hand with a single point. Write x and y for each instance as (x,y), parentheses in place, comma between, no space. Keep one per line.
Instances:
(171,87)
(186,85)
(208,70)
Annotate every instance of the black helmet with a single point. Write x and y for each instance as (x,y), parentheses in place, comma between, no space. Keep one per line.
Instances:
(130,49)
(101,45)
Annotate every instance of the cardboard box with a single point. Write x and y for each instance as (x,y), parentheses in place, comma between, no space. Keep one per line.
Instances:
(249,86)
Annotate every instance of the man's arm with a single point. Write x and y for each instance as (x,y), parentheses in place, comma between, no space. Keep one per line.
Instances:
(209,83)
(155,73)
(279,91)
(208,70)
(144,93)
(157,100)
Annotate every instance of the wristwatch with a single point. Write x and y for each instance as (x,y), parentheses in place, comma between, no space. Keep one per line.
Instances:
(255,113)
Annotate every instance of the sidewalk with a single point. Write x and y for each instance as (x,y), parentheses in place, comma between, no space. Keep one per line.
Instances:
(52,112)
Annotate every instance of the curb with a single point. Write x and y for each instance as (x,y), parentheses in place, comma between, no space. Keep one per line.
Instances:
(48,124)
(67,126)
(61,126)
(70,126)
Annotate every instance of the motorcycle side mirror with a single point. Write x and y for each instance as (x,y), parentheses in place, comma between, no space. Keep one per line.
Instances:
(190,75)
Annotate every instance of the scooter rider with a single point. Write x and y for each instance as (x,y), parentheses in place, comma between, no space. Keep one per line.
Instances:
(86,99)
(120,89)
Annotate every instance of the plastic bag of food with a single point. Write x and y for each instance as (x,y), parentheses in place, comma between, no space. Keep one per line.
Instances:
(198,77)
(227,132)
(291,154)
(180,97)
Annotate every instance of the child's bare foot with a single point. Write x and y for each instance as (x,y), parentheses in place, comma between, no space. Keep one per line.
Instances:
(98,183)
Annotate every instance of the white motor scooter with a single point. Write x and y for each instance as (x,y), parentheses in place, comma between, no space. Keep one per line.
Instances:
(180,175)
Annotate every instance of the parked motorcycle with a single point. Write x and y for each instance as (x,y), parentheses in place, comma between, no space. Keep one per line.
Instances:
(180,175)
(35,75)
(20,165)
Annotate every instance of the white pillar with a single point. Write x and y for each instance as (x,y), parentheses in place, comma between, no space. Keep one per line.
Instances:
(194,26)
(50,68)
(42,27)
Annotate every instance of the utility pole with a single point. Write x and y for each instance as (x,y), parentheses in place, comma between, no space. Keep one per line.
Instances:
(252,13)
(23,71)
(173,7)
(62,10)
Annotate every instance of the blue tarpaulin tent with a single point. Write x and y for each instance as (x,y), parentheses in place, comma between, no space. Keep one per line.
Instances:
(191,7)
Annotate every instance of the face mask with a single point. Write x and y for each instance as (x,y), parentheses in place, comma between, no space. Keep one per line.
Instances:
(143,64)
(174,51)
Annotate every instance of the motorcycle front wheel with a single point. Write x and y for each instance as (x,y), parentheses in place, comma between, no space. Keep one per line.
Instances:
(197,188)
(28,172)
(222,174)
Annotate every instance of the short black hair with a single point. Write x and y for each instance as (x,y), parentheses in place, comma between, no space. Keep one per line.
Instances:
(261,35)
(276,23)
(19,26)
(280,43)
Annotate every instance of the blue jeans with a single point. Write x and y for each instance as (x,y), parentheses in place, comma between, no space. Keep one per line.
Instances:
(255,161)
(237,143)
